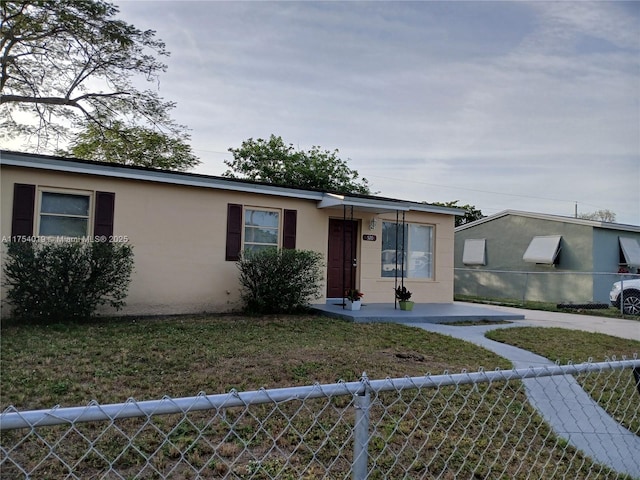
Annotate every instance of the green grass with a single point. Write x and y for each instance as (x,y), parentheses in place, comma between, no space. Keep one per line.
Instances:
(486,430)
(615,391)
(146,359)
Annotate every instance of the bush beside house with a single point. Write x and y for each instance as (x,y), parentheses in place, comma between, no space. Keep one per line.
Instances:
(279,281)
(66,280)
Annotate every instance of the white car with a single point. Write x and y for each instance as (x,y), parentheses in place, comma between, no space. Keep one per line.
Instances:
(630,296)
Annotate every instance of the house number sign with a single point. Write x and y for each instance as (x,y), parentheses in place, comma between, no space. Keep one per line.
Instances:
(369,238)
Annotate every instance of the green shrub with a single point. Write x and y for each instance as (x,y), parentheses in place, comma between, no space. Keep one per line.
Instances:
(66,280)
(279,281)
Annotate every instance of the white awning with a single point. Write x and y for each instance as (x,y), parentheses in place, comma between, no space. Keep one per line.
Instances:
(474,251)
(383,205)
(374,205)
(543,249)
(630,250)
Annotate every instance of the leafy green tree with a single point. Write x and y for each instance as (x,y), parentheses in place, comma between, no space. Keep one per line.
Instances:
(134,146)
(69,65)
(471,213)
(273,161)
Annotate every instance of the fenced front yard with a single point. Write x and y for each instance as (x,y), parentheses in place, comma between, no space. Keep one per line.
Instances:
(308,424)
(467,425)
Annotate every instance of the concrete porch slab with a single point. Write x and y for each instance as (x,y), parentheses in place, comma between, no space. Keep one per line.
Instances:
(421,313)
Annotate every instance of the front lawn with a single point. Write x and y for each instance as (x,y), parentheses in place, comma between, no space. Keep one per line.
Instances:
(110,361)
(466,431)
(615,391)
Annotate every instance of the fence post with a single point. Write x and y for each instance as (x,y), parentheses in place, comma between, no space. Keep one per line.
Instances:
(622,295)
(526,284)
(362,401)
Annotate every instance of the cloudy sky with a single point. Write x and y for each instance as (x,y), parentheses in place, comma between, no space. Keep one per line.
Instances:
(503,105)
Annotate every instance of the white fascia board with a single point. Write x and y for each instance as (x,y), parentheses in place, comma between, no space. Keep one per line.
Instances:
(331,200)
(382,205)
(174,178)
(425,207)
(551,218)
(325,200)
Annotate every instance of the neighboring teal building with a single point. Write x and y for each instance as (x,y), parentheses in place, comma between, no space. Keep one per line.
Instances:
(539,257)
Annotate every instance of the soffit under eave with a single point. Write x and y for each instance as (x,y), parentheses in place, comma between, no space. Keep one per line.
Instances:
(332,200)
(361,205)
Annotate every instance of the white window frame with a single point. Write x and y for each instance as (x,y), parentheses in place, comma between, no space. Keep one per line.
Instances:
(411,258)
(278,229)
(65,191)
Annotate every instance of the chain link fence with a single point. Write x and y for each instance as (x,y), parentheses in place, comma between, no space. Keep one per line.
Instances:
(566,287)
(573,421)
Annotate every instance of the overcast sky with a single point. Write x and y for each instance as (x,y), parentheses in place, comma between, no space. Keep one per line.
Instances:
(503,105)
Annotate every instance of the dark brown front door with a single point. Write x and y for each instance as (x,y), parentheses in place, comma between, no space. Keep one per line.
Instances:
(341,264)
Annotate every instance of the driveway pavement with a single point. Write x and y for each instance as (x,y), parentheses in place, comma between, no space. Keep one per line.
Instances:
(461,311)
(623,328)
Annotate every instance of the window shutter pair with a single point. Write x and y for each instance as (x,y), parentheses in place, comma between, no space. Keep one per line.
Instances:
(24,201)
(234,231)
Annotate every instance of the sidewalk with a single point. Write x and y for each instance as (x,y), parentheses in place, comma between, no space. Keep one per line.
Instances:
(568,409)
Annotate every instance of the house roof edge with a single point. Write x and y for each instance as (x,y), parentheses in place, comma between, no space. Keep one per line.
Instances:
(90,167)
(551,217)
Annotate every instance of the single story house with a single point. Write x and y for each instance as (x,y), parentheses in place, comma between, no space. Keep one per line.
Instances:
(187,230)
(539,257)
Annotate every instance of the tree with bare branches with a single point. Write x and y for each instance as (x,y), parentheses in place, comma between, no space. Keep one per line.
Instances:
(603,215)
(67,68)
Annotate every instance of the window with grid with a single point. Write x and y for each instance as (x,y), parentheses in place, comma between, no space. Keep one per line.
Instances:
(64,214)
(261,229)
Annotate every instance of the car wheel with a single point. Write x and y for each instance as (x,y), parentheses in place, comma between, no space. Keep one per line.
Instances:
(632,304)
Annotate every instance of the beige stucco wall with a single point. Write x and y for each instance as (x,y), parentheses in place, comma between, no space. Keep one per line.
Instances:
(377,289)
(179,235)
(439,289)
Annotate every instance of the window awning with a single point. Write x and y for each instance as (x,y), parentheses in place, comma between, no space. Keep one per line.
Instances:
(543,249)
(330,200)
(630,251)
(474,251)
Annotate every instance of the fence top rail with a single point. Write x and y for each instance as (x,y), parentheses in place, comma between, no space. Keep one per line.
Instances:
(622,276)
(11,418)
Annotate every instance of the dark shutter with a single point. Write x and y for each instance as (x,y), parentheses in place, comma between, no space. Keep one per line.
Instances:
(105,207)
(24,200)
(289,235)
(234,232)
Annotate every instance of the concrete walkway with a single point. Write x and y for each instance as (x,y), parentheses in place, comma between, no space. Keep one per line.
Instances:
(565,406)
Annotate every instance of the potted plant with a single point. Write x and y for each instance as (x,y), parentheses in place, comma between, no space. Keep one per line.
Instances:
(353,298)
(403,295)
